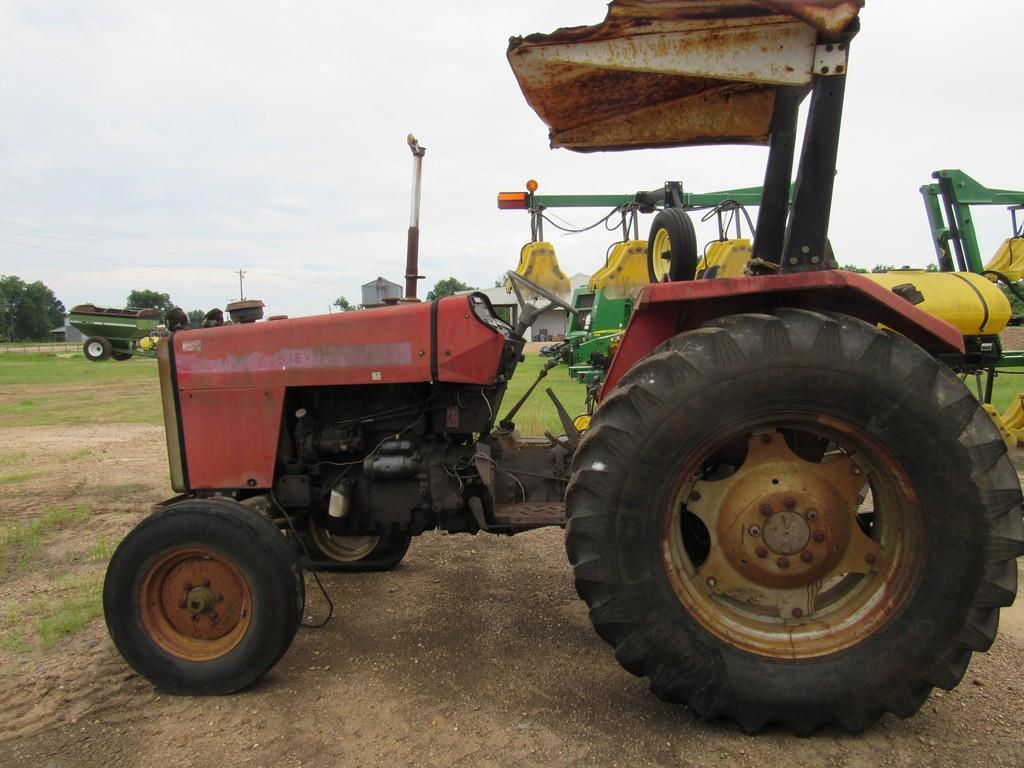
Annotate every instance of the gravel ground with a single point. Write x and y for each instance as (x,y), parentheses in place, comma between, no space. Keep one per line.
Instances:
(475,651)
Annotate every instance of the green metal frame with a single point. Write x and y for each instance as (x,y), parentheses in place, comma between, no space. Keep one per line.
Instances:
(948,205)
(743,196)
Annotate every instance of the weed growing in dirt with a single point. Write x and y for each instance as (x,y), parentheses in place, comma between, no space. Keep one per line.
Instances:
(10,459)
(69,616)
(101,551)
(21,543)
(76,601)
(117,491)
(14,642)
(16,477)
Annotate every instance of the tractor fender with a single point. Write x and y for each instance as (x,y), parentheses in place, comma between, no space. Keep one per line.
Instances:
(665,309)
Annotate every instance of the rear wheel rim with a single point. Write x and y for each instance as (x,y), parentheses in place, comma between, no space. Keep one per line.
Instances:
(343,549)
(195,604)
(793,565)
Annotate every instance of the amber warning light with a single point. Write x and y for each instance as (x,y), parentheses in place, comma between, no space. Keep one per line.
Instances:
(512,200)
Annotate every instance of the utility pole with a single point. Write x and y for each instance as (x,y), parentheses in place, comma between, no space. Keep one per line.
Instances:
(241,290)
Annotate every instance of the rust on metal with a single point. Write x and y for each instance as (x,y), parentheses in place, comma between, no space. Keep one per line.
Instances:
(809,569)
(195,605)
(659,73)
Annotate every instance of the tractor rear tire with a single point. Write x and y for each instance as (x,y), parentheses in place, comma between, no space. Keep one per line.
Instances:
(203,597)
(97,348)
(351,554)
(672,238)
(727,614)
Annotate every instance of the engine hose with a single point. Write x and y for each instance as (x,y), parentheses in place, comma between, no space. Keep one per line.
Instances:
(1006,281)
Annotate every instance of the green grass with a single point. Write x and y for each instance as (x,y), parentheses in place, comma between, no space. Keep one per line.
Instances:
(69,615)
(21,543)
(538,413)
(74,603)
(39,390)
(10,459)
(16,477)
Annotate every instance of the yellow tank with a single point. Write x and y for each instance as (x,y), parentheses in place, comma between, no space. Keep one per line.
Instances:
(966,300)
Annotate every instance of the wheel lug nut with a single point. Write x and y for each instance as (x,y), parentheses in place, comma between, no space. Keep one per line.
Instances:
(187,586)
(789,503)
(754,530)
(205,583)
(806,556)
(766,439)
(782,562)
(855,470)
(762,552)
(218,597)
(797,613)
(711,581)
(812,514)
(766,510)
(181,604)
(819,536)
(694,496)
(869,558)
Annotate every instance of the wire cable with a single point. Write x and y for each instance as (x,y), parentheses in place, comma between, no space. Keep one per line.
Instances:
(316,576)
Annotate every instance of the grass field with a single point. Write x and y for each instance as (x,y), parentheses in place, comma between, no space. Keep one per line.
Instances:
(38,390)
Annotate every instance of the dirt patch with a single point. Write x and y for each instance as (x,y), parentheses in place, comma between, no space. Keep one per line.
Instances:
(476,651)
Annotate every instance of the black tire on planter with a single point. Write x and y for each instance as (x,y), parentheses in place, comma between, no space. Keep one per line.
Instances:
(230,534)
(97,348)
(747,369)
(385,555)
(683,255)
(121,356)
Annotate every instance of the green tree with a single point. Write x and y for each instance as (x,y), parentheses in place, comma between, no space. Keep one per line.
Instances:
(447,287)
(854,268)
(195,318)
(143,299)
(343,304)
(28,312)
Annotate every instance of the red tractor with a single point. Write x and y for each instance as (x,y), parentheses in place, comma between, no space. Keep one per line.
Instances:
(787,508)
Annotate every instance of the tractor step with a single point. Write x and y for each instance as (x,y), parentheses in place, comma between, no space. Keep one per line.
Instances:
(529,515)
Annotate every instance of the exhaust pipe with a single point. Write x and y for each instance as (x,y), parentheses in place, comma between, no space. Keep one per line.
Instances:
(412,251)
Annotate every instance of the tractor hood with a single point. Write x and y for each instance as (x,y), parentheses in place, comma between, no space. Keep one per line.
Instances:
(672,73)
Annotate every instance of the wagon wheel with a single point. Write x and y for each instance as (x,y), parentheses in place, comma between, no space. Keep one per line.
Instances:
(203,597)
(121,356)
(775,526)
(333,552)
(97,348)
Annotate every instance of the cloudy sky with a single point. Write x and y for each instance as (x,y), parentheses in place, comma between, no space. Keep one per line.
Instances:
(164,145)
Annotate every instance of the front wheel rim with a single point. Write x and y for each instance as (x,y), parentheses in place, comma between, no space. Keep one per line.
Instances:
(95,349)
(195,604)
(790,567)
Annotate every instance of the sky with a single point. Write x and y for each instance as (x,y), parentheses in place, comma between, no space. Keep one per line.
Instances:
(165,145)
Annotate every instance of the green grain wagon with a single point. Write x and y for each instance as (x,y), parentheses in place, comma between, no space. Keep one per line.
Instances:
(116,333)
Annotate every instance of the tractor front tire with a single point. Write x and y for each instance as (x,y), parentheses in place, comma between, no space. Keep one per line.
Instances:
(672,247)
(341,554)
(97,348)
(794,518)
(203,597)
